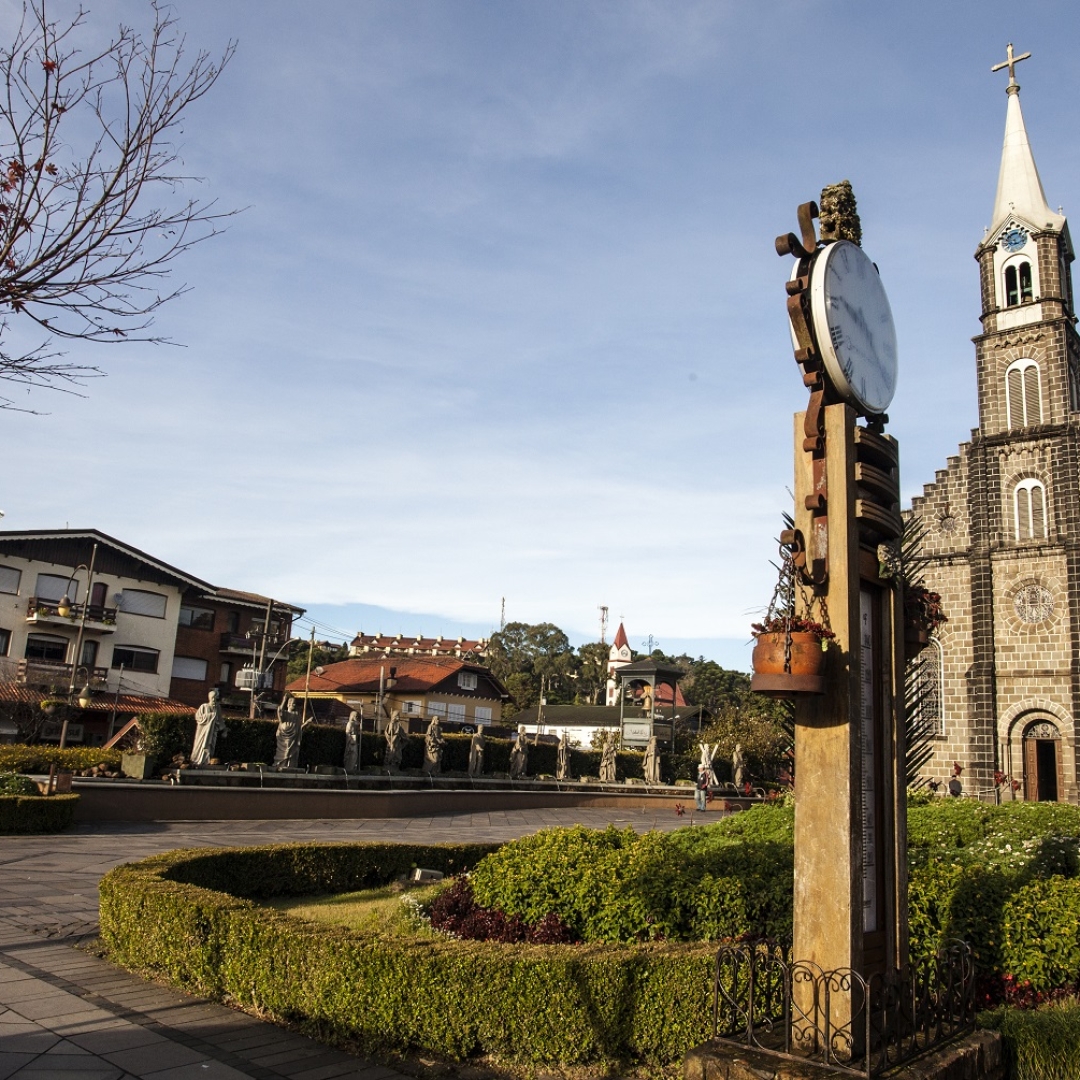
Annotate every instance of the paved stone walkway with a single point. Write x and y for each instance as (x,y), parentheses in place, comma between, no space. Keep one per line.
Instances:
(67,1014)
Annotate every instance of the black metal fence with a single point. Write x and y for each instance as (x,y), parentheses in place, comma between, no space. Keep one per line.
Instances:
(764,1000)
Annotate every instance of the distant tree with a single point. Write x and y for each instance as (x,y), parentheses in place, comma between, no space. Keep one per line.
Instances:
(90,212)
(759,725)
(325,652)
(535,651)
(591,670)
(713,687)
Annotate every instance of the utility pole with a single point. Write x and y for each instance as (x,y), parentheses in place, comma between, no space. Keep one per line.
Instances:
(307,678)
(116,701)
(257,673)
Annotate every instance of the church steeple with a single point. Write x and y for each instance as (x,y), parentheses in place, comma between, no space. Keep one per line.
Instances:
(618,656)
(1019,189)
(1026,252)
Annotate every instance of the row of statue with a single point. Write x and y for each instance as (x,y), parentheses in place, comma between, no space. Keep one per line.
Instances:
(434,744)
(209,725)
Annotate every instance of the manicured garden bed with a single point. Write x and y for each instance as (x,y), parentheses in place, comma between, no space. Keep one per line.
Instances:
(36,813)
(645,910)
(191,917)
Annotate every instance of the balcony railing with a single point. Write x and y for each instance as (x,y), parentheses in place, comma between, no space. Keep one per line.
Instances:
(52,673)
(98,617)
(240,643)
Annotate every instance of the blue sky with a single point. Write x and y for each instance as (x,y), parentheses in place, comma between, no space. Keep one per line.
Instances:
(502,316)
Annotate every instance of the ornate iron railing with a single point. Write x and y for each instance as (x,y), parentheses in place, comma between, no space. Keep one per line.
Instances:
(764,1000)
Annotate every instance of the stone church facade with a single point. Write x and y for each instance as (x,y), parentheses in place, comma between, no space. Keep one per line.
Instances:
(1002,519)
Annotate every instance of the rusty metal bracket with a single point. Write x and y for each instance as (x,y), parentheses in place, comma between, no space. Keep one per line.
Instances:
(811,560)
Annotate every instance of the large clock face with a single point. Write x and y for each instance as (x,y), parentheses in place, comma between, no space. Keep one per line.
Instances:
(853,324)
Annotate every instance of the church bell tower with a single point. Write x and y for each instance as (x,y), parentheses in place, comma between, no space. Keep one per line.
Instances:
(1002,521)
(1023,509)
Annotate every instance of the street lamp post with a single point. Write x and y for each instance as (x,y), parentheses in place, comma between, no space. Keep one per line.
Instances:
(64,608)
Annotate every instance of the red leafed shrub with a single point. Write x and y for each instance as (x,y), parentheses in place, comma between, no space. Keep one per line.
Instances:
(453,906)
(550,930)
(455,911)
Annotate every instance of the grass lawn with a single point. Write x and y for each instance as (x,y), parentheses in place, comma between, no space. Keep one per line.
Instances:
(376,911)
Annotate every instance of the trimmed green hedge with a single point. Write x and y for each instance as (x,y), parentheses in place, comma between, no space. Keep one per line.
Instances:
(617,885)
(24,758)
(1041,1044)
(36,813)
(189,917)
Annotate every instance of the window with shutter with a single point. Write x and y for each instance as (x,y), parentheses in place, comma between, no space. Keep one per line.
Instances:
(1032,395)
(142,602)
(135,658)
(52,587)
(189,667)
(46,647)
(10,579)
(1023,394)
(1029,510)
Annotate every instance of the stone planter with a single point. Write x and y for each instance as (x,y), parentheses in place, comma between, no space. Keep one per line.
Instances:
(137,766)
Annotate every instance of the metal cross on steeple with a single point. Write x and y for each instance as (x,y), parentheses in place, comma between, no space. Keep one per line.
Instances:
(1011,63)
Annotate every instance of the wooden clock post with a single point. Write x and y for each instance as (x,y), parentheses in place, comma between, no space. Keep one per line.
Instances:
(850,836)
(845,996)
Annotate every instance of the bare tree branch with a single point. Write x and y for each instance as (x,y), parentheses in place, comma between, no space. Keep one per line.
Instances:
(91,209)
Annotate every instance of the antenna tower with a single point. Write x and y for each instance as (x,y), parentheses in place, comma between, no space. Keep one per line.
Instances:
(502,616)
(603,623)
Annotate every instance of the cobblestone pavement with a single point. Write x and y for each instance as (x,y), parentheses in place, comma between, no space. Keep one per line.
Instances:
(66,1014)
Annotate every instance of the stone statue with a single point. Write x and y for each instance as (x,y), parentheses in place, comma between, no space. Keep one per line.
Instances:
(519,755)
(607,759)
(652,762)
(395,743)
(708,753)
(433,748)
(209,724)
(562,766)
(287,754)
(738,767)
(352,743)
(838,214)
(476,753)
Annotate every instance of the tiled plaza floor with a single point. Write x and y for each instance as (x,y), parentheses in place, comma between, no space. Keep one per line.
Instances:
(66,1014)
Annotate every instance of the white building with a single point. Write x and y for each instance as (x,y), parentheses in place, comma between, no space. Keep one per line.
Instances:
(123,604)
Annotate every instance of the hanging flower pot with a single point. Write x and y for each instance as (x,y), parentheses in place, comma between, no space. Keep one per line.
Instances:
(923,615)
(789,657)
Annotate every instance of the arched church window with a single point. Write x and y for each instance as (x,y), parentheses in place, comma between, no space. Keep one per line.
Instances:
(1019,288)
(1023,394)
(1029,510)
(925,701)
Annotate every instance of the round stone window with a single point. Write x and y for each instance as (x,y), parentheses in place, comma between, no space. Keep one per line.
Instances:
(1034,604)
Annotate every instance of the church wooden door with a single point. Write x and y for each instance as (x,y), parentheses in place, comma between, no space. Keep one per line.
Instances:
(1043,777)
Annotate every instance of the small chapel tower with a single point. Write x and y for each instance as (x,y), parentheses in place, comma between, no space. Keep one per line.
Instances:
(1002,521)
(618,656)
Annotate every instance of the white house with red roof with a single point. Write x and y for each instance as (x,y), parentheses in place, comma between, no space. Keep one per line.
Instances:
(423,687)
